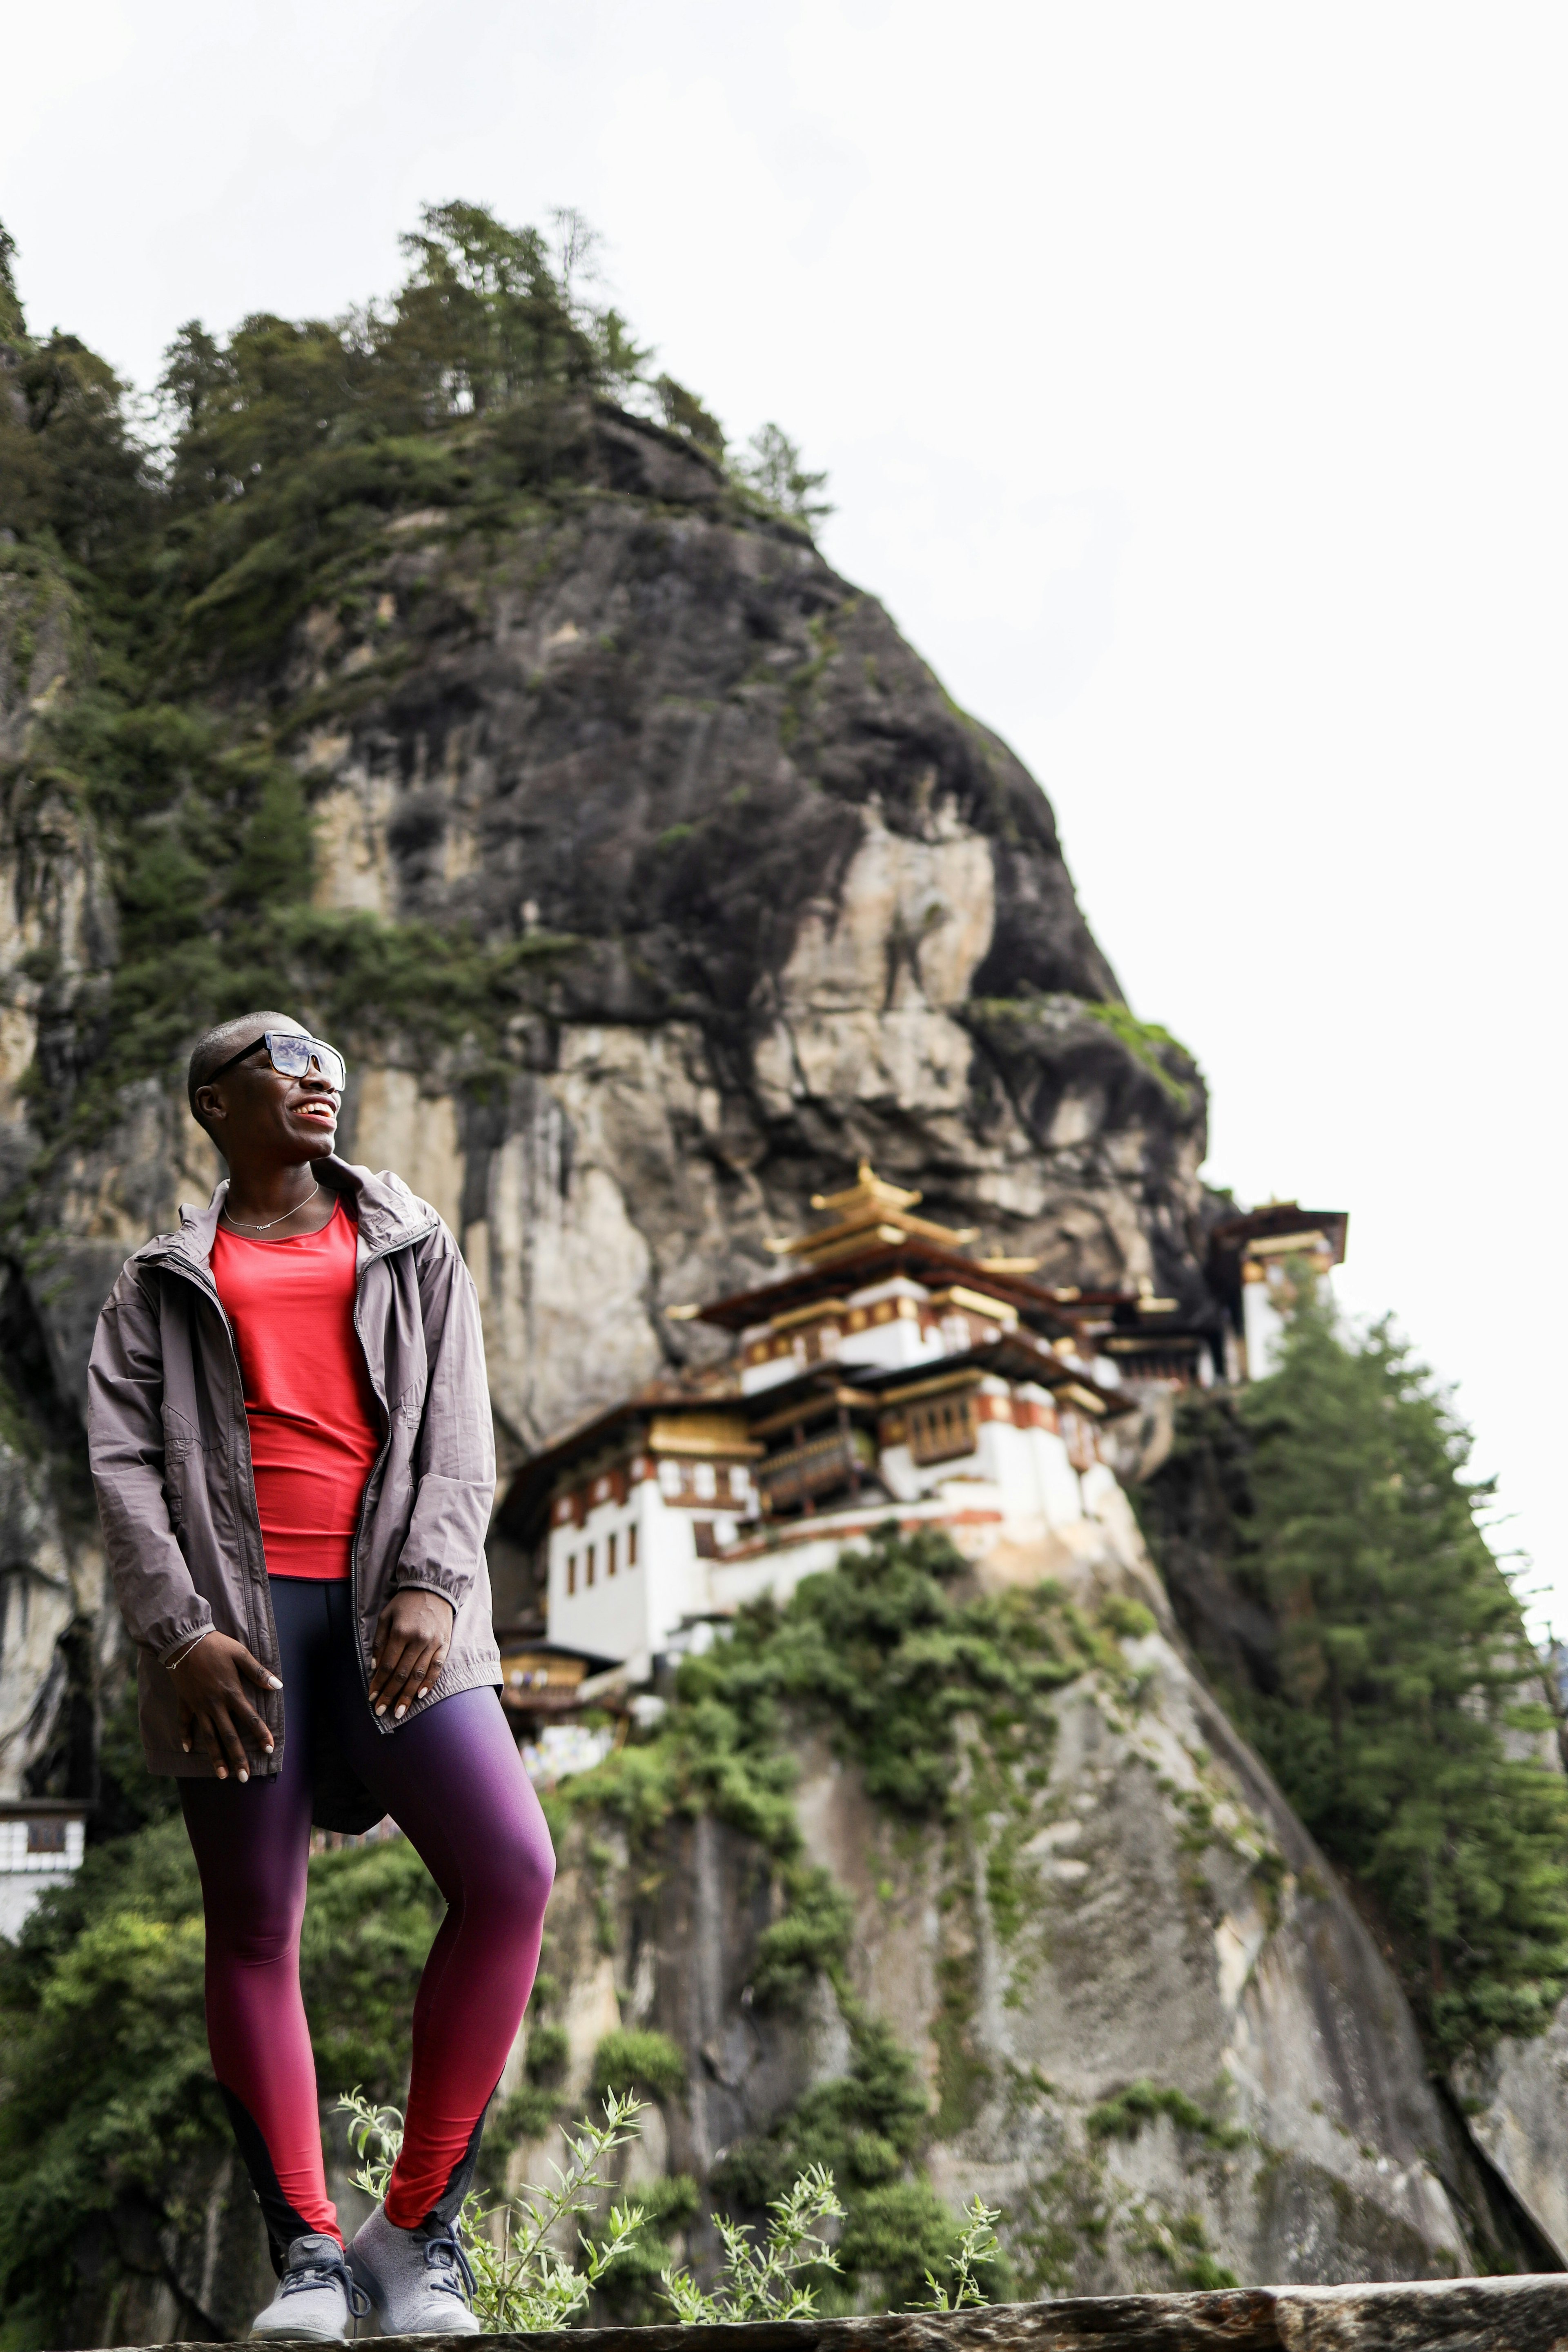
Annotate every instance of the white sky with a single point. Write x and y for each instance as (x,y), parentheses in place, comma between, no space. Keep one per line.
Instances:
(1193,383)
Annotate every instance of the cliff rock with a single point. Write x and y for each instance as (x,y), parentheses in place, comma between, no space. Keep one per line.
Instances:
(1152,2030)
(655,881)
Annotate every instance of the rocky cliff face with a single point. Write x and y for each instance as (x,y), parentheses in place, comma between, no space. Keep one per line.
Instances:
(1152,2030)
(656,882)
(781,904)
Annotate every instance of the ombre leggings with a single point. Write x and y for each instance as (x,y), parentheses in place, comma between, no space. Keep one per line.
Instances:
(454,1782)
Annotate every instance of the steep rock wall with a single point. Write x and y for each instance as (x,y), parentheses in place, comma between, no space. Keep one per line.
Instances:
(785,905)
(1164,1921)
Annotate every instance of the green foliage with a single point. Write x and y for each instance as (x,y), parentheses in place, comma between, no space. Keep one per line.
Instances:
(527,2112)
(684,414)
(810,1939)
(108,2095)
(211,845)
(1126,1618)
(108,2090)
(70,468)
(549,2047)
(294,441)
(878,1652)
(1184,2245)
(1408,1696)
(522,2281)
(634,2058)
(773,469)
(977,2250)
(1124,2116)
(11,322)
(633,2294)
(761,2281)
(372,1915)
(1146,1041)
(866,2128)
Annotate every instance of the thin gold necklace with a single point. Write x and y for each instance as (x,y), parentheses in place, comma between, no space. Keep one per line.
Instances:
(283,1220)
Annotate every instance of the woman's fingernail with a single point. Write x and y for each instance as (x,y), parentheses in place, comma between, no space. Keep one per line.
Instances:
(242,1773)
(222,1773)
(269,1747)
(399,1709)
(382,1708)
(374,1664)
(422,1688)
(273,1683)
(186,1745)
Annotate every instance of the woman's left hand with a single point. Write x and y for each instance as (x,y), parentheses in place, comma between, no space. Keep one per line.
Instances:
(413,1635)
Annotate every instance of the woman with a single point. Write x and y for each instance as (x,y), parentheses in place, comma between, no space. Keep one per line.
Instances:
(292,1443)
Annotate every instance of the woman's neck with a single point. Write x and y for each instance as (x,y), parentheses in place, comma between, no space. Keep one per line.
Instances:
(291,1196)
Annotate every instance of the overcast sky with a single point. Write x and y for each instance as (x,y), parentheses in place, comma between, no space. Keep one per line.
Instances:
(1192,384)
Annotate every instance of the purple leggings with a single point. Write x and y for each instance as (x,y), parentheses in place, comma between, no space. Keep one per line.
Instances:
(454,1782)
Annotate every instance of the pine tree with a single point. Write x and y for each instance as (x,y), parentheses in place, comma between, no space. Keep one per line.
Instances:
(1408,1727)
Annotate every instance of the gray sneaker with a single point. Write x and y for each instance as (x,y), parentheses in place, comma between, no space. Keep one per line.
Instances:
(418,2280)
(316,2295)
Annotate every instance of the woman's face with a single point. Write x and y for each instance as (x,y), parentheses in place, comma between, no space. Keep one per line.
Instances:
(260,1119)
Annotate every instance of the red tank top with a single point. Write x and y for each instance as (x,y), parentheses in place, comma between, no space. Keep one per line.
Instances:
(308,1397)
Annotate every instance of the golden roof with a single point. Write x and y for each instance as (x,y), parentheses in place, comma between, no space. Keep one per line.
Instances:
(867,1211)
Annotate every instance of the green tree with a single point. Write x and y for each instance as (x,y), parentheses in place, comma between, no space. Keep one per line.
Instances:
(70,464)
(110,2123)
(1407,1727)
(11,323)
(774,469)
(684,414)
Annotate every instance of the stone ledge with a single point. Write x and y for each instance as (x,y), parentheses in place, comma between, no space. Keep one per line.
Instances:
(1502,2315)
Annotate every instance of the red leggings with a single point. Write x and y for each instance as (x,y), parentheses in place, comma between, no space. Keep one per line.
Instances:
(453,1781)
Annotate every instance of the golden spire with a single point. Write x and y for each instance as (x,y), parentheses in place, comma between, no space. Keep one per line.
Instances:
(868,1211)
(868,1191)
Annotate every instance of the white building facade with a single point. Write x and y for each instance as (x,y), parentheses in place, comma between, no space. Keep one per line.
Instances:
(885,1375)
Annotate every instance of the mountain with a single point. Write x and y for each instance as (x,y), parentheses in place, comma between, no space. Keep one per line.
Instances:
(650,880)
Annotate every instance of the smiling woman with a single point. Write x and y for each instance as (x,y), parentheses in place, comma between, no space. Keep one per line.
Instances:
(305,1581)
(270,1105)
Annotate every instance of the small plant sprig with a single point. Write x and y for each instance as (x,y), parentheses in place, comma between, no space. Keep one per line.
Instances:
(978,2245)
(375,2135)
(520,2281)
(761,2283)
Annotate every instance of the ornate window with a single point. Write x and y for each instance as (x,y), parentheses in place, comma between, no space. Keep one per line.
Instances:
(942,1428)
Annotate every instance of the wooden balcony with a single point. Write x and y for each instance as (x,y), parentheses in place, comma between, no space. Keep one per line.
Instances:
(794,1479)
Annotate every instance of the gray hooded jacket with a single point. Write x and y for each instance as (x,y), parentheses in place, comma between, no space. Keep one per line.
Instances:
(170,1447)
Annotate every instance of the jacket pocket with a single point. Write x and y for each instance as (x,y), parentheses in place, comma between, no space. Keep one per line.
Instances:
(409,1408)
(180,1436)
(181,1445)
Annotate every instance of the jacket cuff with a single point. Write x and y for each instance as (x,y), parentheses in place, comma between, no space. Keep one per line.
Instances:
(170,1635)
(454,1591)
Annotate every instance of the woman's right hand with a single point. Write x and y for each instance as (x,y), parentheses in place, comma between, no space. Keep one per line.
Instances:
(210,1681)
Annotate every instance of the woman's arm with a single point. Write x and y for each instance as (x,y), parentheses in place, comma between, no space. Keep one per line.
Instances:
(163,1610)
(161,1606)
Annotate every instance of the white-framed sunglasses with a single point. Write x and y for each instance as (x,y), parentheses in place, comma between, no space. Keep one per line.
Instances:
(291,1056)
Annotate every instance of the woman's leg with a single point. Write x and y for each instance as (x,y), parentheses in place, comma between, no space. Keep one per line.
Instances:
(454,1782)
(252,1844)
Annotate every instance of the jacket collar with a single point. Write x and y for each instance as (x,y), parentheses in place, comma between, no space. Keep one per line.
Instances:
(388,1214)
